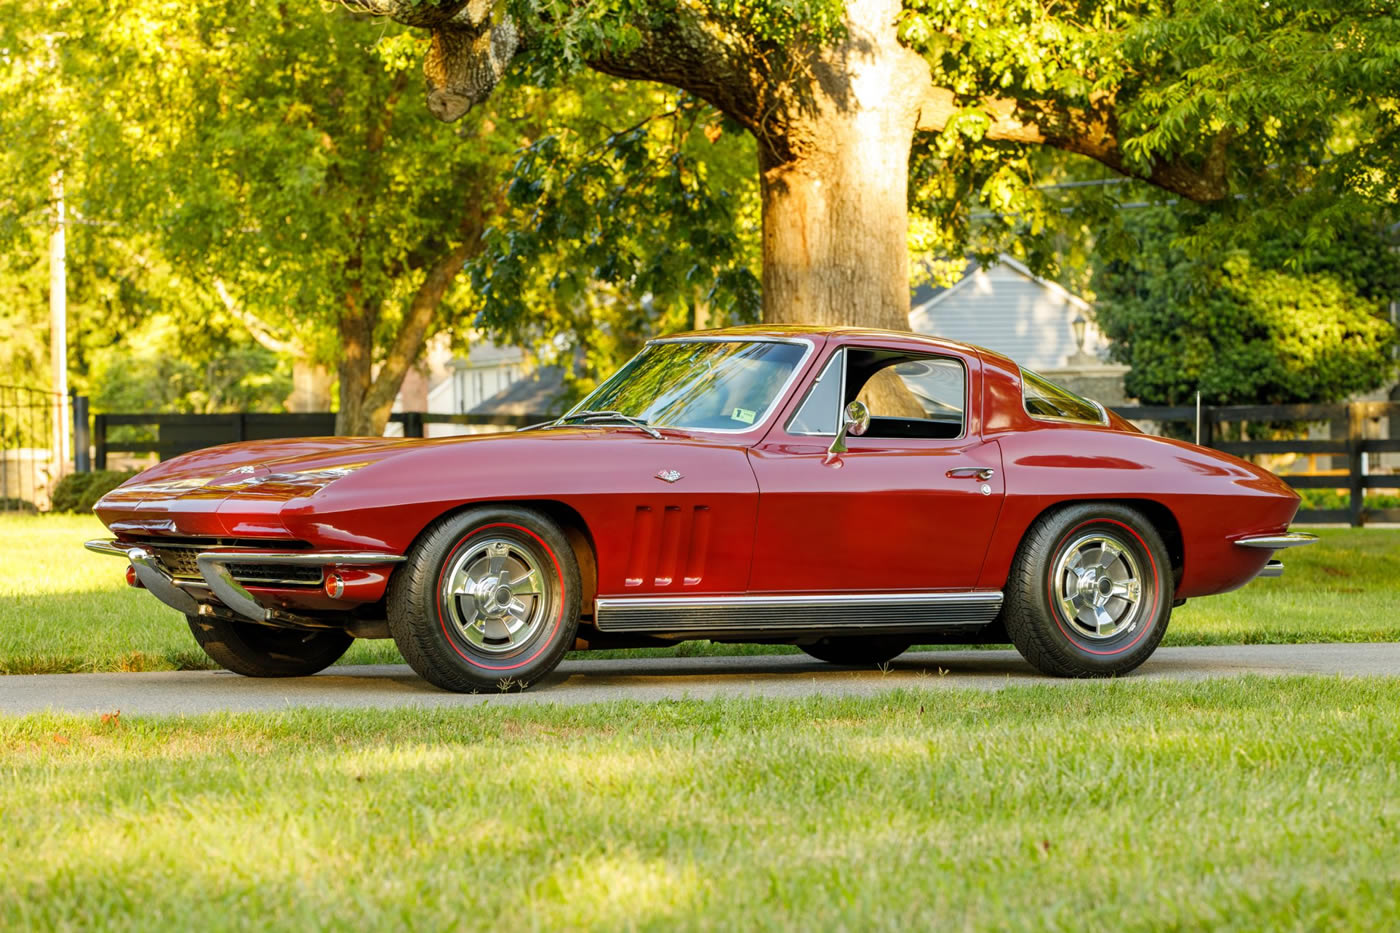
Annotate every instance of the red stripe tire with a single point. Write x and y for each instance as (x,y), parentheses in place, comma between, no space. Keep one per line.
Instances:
(1090,592)
(488,599)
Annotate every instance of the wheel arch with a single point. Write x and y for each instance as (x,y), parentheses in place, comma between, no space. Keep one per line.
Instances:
(570,522)
(1163,520)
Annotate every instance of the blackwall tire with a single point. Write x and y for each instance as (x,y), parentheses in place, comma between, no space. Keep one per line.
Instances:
(857,651)
(1090,591)
(262,651)
(488,599)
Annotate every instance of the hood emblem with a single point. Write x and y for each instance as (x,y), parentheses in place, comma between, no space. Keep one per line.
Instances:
(669,476)
(243,469)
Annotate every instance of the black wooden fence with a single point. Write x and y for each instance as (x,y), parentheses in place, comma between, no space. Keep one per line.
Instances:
(170,435)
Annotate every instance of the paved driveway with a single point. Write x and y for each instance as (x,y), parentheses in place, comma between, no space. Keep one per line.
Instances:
(649,679)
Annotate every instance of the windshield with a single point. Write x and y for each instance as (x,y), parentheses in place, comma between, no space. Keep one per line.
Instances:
(711,385)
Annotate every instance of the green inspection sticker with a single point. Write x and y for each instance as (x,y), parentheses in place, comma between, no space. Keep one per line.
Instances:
(744,415)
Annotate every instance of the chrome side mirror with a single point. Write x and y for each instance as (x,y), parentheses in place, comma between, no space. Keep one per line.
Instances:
(855,421)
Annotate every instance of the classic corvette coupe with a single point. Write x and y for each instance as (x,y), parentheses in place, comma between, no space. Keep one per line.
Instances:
(851,492)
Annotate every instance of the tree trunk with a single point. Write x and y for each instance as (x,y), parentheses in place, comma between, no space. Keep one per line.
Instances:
(356,369)
(835,196)
(311,387)
(366,396)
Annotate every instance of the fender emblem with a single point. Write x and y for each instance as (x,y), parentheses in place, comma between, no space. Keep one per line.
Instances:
(243,469)
(669,476)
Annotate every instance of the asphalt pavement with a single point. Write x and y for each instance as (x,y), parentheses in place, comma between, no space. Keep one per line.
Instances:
(649,679)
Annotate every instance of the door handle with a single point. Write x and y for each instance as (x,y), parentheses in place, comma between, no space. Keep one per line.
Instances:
(978,473)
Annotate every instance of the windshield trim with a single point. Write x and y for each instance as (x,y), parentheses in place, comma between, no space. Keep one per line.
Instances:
(778,398)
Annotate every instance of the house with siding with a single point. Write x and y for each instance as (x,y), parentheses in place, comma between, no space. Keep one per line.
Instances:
(473,383)
(1007,308)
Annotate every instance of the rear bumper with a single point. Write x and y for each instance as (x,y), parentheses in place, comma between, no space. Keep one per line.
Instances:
(219,582)
(1274,542)
(1274,568)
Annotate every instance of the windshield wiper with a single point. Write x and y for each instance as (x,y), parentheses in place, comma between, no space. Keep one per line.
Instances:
(588,415)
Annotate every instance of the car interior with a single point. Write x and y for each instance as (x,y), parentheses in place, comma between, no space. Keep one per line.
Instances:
(908,396)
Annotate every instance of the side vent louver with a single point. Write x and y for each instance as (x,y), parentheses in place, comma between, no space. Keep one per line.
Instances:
(668,550)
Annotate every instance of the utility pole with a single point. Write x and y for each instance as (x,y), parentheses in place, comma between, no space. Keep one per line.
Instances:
(58,288)
(58,322)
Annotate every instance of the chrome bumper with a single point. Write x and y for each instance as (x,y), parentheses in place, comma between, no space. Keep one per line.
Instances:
(1274,568)
(1274,542)
(213,568)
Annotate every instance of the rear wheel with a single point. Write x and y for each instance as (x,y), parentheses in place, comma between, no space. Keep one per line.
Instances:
(488,598)
(263,651)
(1090,591)
(857,651)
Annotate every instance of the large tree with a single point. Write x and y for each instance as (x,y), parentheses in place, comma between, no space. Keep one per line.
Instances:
(1215,101)
(282,166)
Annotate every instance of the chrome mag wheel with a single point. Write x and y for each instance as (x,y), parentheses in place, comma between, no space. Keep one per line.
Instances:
(494,596)
(1098,584)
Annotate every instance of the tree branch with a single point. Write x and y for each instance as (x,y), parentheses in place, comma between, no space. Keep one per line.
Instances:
(421,15)
(413,332)
(1089,132)
(691,52)
(255,325)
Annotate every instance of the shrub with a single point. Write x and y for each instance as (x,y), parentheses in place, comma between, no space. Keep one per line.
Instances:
(1341,499)
(13,504)
(79,492)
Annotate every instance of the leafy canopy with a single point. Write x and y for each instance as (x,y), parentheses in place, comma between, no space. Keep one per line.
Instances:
(1244,328)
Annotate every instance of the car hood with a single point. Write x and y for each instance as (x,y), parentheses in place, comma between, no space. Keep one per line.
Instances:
(234,466)
(242,490)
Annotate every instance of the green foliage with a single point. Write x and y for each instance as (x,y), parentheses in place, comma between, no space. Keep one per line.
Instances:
(285,154)
(1298,97)
(1239,327)
(79,492)
(159,367)
(24,315)
(606,241)
(297,165)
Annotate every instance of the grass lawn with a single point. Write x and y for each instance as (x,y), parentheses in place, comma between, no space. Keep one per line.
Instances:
(64,609)
(1235,804)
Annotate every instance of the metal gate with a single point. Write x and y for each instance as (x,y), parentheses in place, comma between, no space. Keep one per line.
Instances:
(30,461)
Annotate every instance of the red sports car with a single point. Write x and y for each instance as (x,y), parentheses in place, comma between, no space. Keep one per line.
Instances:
(851,492)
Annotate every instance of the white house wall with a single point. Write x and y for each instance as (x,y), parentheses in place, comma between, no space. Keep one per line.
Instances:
(1008,311)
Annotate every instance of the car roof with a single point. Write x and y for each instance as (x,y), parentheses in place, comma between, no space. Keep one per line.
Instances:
(840,334)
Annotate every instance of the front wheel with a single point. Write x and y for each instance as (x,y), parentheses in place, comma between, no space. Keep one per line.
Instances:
(1090,591)
(857,651)
(488,599)
(263,651)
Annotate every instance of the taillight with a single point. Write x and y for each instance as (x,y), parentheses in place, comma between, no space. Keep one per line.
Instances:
(335,585)
(131,578)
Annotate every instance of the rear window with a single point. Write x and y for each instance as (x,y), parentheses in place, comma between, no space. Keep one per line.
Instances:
(1043,399)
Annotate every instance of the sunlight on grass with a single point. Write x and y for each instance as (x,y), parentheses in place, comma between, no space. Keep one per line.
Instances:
(1250,804)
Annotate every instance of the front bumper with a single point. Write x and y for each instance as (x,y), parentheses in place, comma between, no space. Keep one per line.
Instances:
(231,594)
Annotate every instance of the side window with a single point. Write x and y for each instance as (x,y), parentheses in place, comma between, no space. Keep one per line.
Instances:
(819,411)
(908,396)
(1045,400)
